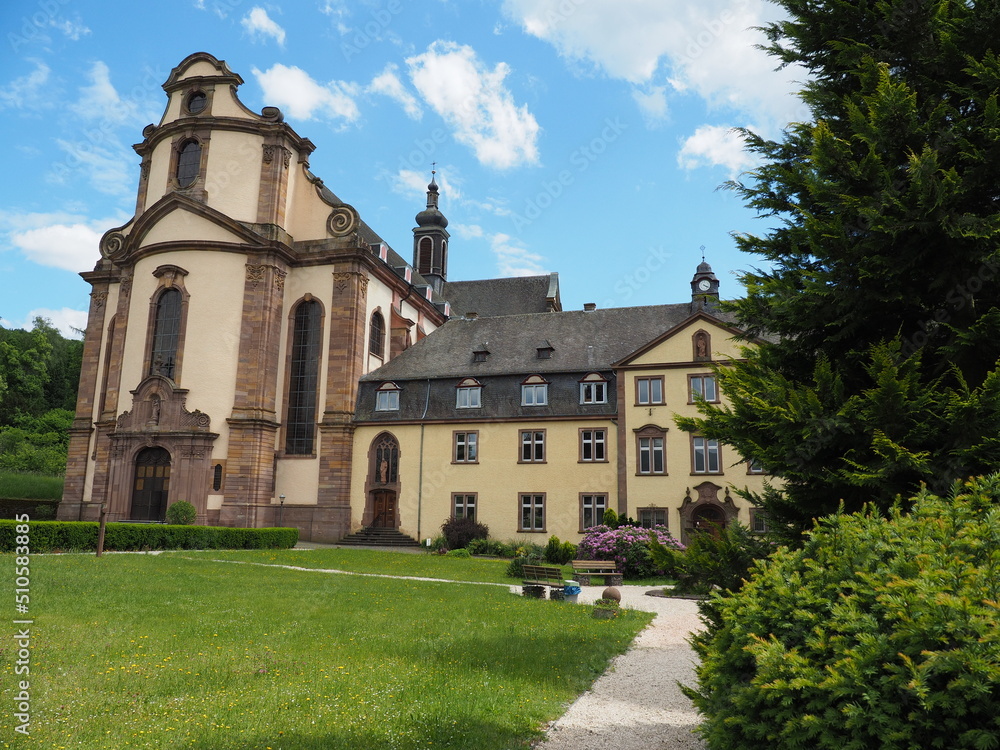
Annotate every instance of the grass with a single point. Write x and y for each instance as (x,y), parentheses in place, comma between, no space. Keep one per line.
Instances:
(177,651)
(25,486)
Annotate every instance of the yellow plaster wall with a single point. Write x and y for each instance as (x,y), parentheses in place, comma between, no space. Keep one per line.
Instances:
(668,491)
(498,479)
(305,212)
(232,175)
(298,480)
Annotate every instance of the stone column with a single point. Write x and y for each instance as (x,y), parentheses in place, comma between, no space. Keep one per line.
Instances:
(253,425)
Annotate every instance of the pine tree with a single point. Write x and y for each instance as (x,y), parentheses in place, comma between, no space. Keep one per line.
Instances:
(876,321)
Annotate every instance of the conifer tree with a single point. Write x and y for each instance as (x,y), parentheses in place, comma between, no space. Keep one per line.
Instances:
(876,319)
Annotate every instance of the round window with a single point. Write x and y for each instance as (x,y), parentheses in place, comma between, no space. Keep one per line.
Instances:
(196,102)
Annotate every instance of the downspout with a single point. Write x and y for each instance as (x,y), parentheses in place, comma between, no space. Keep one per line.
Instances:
(420,473)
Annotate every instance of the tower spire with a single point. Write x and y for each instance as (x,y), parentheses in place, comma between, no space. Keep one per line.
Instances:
(430,238)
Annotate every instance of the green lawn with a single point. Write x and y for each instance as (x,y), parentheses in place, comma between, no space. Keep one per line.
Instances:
(165,651)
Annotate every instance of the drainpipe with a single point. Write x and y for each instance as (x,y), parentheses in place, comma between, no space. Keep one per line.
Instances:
(420,474)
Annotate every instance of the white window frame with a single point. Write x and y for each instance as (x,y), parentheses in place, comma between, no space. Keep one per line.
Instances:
(706,455)
(387,400)
(469,397)
(535,394)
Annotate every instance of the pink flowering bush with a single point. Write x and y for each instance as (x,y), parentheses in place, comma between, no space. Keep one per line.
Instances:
(627,545)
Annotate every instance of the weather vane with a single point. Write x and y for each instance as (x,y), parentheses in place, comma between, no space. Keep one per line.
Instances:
(702,253)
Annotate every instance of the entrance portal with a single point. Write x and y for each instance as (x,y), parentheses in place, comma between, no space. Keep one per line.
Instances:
(709,519)
(151,485)
(384,509)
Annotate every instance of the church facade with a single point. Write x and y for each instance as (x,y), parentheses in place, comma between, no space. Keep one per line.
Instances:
(255,348)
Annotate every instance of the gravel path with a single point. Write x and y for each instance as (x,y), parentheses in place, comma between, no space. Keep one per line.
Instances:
(636,704)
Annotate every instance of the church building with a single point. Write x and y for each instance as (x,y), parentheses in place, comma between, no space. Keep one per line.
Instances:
(255,348)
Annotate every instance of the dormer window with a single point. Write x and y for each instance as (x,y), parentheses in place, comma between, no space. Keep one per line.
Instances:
(534,391)
(387,397)
(544,350)
(468,394)
(594,389)
(480,353)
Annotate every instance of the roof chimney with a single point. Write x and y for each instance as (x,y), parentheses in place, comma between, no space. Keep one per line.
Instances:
(589,306)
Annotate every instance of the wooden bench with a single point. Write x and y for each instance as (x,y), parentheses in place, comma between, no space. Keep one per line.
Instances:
(538,577)
(584,569)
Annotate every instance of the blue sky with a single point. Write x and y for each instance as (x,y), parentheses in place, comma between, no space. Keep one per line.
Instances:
(587,137)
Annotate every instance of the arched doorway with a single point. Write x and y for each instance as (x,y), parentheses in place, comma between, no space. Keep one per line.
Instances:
(382,509)
(151,485)
(709,519)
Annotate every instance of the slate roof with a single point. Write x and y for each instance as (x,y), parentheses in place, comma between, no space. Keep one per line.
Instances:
(510,296)
(581,341)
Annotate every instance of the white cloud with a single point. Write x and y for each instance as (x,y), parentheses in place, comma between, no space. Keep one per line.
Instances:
(388,83)
(705,48)
(67,321)
(100,99)
(25,92)
(72,29)
(466,231)
(294,91)
(409,182)
(513,258)
(260,26)
(652,103)
(474,102)
(715,146)
(72,247)
(106,164)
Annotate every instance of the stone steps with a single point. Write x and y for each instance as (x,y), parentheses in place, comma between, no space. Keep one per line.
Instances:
(377,537)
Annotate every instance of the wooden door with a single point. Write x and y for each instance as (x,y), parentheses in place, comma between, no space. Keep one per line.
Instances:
(384,509)
(709,519)
(151,485)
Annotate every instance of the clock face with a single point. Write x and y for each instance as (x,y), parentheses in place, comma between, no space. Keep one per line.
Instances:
(704,285)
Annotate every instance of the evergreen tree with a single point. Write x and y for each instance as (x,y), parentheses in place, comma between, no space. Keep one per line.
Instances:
(877,318)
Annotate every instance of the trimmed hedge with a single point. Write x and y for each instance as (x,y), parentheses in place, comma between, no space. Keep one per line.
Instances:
(878,633)
(64,536)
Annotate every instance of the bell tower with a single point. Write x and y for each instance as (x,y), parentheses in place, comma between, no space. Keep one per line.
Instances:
(704,288)
(430,241)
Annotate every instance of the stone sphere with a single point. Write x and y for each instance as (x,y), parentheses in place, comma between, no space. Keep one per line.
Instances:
(612,593)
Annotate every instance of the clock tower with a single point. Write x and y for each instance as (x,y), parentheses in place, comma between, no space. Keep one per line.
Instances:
(704,288)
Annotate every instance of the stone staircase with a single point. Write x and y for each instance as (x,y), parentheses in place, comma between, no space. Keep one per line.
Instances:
(378,537)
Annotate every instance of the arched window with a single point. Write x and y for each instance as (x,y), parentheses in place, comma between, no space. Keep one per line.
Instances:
(188,163)
(424,256)
(376,335)
(385,460)
(303,379)
(166,333)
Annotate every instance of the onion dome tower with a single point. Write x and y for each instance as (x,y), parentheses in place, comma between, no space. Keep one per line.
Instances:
(430,241)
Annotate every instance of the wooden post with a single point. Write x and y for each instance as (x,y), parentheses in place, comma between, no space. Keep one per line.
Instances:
(100,529)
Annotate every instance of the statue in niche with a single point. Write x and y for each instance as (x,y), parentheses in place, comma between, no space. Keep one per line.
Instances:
(383,471)
(155,410)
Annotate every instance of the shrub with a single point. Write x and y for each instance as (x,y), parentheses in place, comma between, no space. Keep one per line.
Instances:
(628,546)
(710,561)
(524,556)
(610,518)
(460,531)
(878,633)
(559,553)
(181,513)
(46,536)
(459,553)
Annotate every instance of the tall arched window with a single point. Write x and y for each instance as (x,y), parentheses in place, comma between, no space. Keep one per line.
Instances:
(303,379)
(188,163)
(385,460)
(166,333)
(376,335)
(425,256)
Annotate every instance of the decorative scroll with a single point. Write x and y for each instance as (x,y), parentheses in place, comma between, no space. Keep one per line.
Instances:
(268,153)
(112,245)
(343,221)
(100,298)
(279,278)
